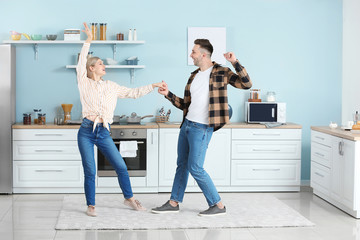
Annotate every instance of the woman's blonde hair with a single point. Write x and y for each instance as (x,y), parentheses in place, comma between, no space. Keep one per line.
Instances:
(90,62)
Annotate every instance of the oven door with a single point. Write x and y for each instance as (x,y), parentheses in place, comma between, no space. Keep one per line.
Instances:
(136,165)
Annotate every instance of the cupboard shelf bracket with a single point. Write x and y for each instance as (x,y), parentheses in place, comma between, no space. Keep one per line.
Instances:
(36,49)
(132,73)
(114,51)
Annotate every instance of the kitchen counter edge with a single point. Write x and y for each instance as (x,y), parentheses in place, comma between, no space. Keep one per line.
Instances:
(150,125)
(338,132)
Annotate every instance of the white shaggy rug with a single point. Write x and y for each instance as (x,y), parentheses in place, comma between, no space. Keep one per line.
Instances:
(246,210)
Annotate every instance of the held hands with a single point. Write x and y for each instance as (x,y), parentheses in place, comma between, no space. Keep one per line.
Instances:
(163,88)
(230,56)
(88,33)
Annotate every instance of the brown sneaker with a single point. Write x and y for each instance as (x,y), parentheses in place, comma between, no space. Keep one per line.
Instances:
(135,204)
(91,211)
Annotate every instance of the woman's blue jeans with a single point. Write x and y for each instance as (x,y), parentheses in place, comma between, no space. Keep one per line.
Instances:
(193,142)
(100,137)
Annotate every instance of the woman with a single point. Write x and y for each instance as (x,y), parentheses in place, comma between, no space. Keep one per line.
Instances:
(98,99)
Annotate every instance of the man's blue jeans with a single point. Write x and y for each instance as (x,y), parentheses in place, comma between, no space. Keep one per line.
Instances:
(100,137)
(193,142)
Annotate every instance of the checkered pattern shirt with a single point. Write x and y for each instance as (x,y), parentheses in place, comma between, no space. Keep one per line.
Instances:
(220,77)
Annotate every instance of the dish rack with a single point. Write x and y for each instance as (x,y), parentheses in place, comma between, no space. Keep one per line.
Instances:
(161,119)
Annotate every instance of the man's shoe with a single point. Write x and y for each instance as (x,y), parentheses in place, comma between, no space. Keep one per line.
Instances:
(91,211)
(213,211)
(136,205)
(166,208)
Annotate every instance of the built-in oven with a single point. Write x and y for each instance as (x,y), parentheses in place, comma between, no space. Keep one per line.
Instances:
(136,165)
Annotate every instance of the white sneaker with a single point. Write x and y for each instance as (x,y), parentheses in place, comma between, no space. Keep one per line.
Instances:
(91,211)
(136,205)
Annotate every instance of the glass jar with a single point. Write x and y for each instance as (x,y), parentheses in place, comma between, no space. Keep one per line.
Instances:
(27,118)
(42,118)
(94,30)
(36,115)
(271,97)
(102,31)
(255,95)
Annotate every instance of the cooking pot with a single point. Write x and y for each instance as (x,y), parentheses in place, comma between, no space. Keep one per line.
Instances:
(134,118)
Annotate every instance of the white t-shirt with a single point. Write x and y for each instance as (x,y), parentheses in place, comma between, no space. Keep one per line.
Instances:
(199,90)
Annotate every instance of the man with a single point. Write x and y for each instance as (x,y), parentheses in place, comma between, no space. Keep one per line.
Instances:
(205,109)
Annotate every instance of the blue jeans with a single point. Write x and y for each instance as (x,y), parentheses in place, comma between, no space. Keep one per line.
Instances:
(193,142)
(100,137)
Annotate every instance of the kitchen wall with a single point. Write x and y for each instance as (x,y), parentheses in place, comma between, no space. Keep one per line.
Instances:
(291,47)
(351,59)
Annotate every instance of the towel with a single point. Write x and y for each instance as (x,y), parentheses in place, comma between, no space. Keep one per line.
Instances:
(128,148)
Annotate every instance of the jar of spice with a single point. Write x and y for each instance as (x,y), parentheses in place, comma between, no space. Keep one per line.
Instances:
(94,30)
(255,95)
(27,118)
(42,118)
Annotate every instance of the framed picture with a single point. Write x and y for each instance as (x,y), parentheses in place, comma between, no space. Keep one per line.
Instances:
(216,36)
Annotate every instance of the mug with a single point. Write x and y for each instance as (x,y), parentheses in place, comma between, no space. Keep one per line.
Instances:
(350,124)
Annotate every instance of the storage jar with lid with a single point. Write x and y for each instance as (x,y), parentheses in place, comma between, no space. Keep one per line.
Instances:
(271,97)
(103,31)
(42,118)
(36,114)
(27,118)
(94,31)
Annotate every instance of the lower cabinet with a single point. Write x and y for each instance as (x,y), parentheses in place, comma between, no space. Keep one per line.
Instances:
(46,161)
(334,175)
(240,159)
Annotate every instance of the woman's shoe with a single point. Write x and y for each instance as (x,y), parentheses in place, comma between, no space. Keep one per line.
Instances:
(91,211)
(135,204)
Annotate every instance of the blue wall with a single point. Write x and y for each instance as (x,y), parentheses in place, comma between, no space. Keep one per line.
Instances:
(292,47)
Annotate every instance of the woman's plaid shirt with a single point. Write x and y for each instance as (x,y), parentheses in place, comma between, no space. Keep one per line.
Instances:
(220,77)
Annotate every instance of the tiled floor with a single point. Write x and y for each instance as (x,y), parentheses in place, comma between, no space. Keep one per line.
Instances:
(33,216)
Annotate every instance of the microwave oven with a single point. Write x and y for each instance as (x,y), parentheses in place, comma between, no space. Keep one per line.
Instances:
(264,112)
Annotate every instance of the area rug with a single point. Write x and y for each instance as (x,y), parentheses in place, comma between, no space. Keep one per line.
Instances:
(245,210)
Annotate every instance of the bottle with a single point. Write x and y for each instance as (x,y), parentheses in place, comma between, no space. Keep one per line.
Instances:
(135,35)
(130,35)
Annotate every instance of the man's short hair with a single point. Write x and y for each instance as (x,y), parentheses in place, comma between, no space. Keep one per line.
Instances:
(205,44)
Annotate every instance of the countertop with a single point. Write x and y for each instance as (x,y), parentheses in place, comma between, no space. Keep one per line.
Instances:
(338,132)
(152,125)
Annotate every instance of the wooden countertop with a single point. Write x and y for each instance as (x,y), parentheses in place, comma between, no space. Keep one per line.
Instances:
(338,132)
(152,125)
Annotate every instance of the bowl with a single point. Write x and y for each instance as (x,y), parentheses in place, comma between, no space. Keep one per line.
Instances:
(51,37)
(36,37)
(111,61)
(15,37)
(132,62)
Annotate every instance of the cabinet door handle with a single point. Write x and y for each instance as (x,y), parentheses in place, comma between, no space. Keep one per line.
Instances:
(341,152)
(48,134)
(319,154)
(319,174)
(50,170)
(266,150)
(43,150)
(152,138)
(321,138)
(266,169)
(266,134)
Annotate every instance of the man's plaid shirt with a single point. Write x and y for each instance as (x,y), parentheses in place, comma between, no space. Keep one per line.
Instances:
(220,77)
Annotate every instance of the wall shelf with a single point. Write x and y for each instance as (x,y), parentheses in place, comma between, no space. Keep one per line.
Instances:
(37,43)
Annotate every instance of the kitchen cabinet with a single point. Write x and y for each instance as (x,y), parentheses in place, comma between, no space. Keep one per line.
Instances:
(217,161)
(46,161)
(334,161)
(266,159)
